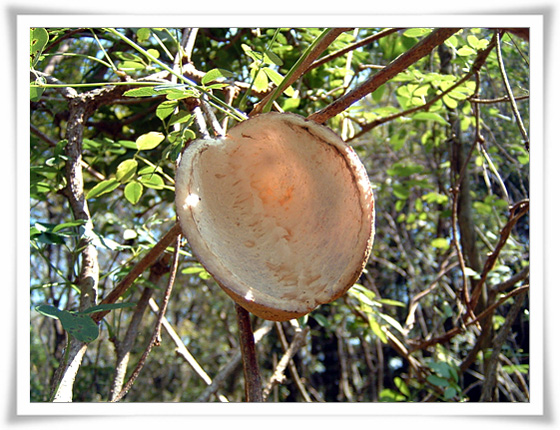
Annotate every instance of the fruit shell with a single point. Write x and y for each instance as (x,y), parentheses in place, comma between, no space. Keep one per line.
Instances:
(280,212)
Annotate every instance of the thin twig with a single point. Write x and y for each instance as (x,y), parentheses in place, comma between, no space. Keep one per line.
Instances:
(490,372)
(156,335)
(351,47)
(510,94)
(183,351)
(278,376)
(227,370)
(293,370)
(458,330)
(149,259)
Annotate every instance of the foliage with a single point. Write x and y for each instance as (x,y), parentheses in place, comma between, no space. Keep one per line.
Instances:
(446,283)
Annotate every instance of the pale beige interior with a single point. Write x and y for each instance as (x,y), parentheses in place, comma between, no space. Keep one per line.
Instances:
(275,213)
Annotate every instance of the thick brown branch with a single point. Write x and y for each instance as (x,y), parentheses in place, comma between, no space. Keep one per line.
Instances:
(253,387)
(477,64)
(401,63)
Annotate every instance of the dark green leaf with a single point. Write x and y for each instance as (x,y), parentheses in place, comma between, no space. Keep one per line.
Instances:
(107,307)
(82,327)
(436,380)
(48,310)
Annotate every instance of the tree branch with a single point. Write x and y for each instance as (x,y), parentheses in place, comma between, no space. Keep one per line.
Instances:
(156,335)
(138,268)
(420,50)
(299,68)
(253,387)
(277,377)
(510,94)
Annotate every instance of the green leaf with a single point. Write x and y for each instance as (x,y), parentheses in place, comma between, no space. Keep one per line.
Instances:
(523,159)
(390,302)
(82,327)
(277,78)
(166,108)
(471,273)
(69,224)
(388,395)
(35,93)
(440,243)
(449,393)
(401,192)
(180,118)
(215,74)
(149,141)
(107,307)
(465,51)
(401,385)
(442,368)
(126,170)
(449,101)
(434,197)
(103,187)
(153,52)
(143,34)
(272,58)
(321,320)
(129,144)
(39,38)
(152,181)
(131,65)
(141,92)
(133,192)
(416,32)
(179,94)
(430,116)
(261,81)
(376,329)
(48,310)
(399,169)
(436,380)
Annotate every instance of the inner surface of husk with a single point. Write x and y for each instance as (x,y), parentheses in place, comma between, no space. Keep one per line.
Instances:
(278,209)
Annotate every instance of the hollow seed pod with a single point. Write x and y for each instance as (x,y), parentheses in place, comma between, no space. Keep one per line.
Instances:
(280,212)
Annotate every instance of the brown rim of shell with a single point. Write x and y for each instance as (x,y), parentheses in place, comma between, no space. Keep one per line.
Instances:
(280,212)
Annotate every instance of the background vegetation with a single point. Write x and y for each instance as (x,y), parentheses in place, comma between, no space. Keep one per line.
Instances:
(440,120)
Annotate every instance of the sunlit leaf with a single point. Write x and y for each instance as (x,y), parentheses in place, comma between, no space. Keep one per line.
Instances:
(102,187)
(126,170)
(133,192)
(149,140)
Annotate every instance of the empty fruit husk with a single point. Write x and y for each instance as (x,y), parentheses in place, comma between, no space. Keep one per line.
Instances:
(280,212)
